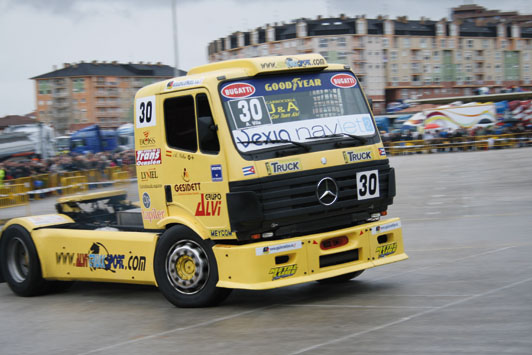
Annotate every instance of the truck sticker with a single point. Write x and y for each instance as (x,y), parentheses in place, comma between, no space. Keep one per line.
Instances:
(283,271)
(218,233)
(148,157)
(145,112)
(146,201)
(188,189)
(216,173)
(249,112)
(356,155)
(293,84)
(209,205)
(151,174)
(248,170)
(146,140)
(98,257)
(283,166)
(386,227)
(238,90)
(279,248)
(387,249)
(344,80)
(382,152)
(174,84)
(152,215)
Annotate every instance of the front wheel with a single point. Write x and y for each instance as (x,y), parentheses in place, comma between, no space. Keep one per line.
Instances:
(186,270)
(20,263)
(341,278)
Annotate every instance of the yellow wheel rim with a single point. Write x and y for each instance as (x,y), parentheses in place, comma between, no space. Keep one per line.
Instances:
(185,267)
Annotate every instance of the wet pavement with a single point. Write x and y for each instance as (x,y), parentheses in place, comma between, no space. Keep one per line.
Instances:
(467,287)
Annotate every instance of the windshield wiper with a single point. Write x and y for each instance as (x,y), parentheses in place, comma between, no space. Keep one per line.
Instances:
(334,135)
(274,141)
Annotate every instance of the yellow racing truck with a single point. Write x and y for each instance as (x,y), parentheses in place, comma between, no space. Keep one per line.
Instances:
(252,174)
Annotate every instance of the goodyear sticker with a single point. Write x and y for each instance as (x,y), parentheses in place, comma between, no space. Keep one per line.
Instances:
(385,227)
(283,166)
(387,249)
(356,155)
(283,271)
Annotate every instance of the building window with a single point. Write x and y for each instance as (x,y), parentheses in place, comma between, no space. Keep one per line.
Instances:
(324,42)
(393,55)
(341,42)
(78,85)
(44,87)
(406,42)
(442,43)
(469,43)
(385,43)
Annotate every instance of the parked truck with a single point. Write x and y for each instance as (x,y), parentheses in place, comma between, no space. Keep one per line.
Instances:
(252,173)
(93,139)
(34,139)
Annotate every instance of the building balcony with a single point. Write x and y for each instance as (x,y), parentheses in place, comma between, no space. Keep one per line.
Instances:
(60,94)
(60,104)
(479,58)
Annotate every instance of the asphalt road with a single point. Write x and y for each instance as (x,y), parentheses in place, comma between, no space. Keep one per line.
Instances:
(466,289)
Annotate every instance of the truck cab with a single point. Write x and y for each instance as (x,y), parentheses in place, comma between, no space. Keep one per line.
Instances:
(252,174)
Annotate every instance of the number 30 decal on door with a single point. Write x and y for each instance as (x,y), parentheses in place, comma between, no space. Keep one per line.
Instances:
(145,112)
(367,184)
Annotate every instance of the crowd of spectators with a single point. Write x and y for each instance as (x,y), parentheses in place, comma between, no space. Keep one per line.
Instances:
(23,167)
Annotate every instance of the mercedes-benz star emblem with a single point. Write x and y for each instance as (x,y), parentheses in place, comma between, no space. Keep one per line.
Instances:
(327,191)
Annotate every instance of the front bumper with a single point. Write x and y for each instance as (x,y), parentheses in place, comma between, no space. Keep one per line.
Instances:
(279,263)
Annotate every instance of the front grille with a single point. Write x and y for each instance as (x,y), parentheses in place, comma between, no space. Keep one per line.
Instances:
(290,205)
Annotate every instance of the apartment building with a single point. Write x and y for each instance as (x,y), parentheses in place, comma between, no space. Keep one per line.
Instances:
(400,58)
(93,93)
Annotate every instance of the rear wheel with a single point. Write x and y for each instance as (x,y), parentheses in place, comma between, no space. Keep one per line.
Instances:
(186,269)
(20,262)
(341,278)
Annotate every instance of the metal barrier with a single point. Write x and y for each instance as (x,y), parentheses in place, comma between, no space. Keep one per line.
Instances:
(20,191)
(437,145)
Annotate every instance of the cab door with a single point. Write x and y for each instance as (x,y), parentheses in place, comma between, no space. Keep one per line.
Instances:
(195,179)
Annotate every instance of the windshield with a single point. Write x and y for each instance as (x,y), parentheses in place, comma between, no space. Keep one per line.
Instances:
(277,110)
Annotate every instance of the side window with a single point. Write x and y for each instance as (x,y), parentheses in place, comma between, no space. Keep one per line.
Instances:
(180,123)
(208,139)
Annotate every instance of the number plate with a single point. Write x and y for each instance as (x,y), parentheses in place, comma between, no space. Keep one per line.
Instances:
(367,184)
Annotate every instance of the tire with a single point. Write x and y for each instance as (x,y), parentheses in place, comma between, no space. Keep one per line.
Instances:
(341,278)
(20,263)
(186,270)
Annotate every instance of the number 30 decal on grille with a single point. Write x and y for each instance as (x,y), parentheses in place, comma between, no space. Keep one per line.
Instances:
(367,184)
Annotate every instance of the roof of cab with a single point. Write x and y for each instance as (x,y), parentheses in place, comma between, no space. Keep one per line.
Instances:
(237,68)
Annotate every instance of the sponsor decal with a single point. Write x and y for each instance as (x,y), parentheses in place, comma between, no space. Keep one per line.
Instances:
(192,187)
(283,166)
(251,138)
(249,112)
(279,248)
(47,219)
(185,176)
(283,108)
(209,205)
(99,258)
(169,153)
(292,63)
(175,84)
(186,156)
(386,227)
(145,112)
(150,186)
(387,249)
(146,201)
(238,90)
(147,140)
(148,157)
(344,81)
(283,271)
(351,156)
(218,233)
(248,170)
(293,85)
(152,215)
(216,173)
(151,174)
(382,152)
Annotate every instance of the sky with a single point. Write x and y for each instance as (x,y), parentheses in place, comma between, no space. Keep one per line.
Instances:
(36,35)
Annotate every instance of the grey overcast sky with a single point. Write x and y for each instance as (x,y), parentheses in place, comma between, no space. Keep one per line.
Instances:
(35,35)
